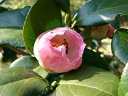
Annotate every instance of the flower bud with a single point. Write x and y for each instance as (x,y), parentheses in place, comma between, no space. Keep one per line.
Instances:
(101,32)
(59,50)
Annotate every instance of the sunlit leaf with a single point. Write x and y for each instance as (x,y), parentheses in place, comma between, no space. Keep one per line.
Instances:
(123,85)
(21,82)
(97,12)
(88,81)
(13,18)
(25,62)
(11,36)
(120,45)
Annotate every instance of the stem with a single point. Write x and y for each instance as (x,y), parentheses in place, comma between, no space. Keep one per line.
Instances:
(73,24)
(74,21)
(67,18)
(74,17)
(18,51)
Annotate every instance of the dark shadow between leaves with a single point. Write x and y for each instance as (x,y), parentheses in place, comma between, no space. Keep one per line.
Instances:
(84,72)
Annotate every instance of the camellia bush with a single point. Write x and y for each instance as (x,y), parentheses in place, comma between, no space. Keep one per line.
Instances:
(60,49)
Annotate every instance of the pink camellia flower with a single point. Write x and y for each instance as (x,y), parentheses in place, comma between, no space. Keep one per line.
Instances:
(102,32)
(59,50)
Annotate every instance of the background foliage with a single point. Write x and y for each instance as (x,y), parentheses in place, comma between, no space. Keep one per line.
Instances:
(105,63)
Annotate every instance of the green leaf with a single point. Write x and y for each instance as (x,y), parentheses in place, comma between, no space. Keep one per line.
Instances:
(26,62)
(13,18)
(88,81)
(97,12)
(41,71)
(43,16)
(21,82)
(64,5)
(11,23)
(27,87)
(11,36)
(15,74)
(123,85)
(120,45)
(46,74)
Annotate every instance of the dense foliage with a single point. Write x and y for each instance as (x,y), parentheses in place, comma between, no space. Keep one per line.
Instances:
(95,20)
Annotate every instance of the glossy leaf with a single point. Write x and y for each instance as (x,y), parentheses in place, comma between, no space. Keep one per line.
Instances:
(120,45)
(98,12)
(11,23)
(15,74)
(88,81)
(26,62)
(64,5)
(13,18)
(21,82)
(47,74)
(26,87)
(11,36)
(43,16)
(123,85)
(41,71)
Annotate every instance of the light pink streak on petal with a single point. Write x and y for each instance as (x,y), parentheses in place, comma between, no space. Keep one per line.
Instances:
(76,45)
(46,50)
(54,58)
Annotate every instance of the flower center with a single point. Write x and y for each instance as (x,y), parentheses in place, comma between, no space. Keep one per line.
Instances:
(63,42)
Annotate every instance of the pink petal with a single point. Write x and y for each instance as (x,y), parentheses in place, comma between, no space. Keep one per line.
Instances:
(56,58)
